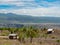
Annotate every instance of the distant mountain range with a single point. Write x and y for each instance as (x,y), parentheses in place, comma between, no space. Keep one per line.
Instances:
(14,18)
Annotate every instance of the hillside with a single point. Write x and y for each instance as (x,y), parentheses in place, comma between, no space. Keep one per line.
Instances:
(14,18)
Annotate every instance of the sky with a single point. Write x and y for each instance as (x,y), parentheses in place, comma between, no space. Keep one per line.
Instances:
(31,7)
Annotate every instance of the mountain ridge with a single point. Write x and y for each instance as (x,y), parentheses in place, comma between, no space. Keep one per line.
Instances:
(14,18)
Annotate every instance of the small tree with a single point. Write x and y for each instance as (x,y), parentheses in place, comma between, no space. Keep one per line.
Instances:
(22,34)
(12,30)
(1,29)
(32,33)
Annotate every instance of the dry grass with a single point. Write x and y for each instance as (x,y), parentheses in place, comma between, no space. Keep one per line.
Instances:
(35,42)
(52,39)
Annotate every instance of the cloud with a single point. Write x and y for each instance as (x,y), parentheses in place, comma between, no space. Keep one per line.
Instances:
(20,3)
(31,7)
(52,11)
(28,3)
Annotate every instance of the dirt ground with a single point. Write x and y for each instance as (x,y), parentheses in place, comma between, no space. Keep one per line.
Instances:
(36,41)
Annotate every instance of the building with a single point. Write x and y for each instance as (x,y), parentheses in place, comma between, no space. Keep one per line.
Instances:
(12,36)
(49,31)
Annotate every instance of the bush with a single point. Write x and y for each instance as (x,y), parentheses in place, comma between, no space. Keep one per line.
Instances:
(58,41)
(53,37)
(40,42)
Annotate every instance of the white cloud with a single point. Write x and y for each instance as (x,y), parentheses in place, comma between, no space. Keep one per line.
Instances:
(32,3)
(52,11)
(26,3)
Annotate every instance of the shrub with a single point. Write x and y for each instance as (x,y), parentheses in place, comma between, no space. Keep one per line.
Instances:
(53,37)
(58,41)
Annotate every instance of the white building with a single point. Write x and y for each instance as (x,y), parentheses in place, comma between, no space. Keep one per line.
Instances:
(49,31)
(12,36)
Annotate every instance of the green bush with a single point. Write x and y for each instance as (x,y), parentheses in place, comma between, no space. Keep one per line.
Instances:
(58,41)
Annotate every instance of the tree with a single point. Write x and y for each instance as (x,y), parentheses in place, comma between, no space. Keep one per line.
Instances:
(29,32)
(12,30)
(3,28)
(32,33)
(22,34)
